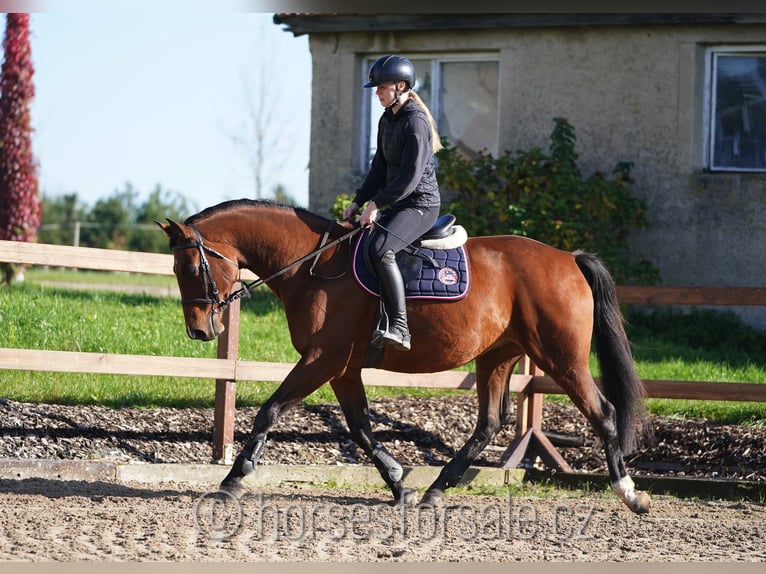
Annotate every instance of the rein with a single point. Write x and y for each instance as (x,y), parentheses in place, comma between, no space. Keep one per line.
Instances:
(209,281)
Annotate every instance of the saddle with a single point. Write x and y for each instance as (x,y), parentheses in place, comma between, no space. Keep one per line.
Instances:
(444,234)
(433,267)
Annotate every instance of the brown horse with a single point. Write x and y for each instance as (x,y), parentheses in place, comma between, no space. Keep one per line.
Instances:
(526,298)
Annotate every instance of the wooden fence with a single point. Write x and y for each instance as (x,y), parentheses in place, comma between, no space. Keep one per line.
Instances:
(529,384)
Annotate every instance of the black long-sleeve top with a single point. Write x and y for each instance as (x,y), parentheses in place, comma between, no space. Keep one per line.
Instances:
(403,173)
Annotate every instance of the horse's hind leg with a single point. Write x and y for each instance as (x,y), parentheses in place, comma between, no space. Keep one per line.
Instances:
(350,393)
(493,372)
(601,415)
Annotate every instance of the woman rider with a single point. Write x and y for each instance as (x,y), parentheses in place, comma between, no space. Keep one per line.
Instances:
(400,186)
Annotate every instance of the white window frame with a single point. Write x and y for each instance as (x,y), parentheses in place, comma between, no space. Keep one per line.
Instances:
(434,104)
(709,104)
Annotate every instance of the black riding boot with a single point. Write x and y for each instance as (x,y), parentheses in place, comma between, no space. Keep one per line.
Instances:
(394,331)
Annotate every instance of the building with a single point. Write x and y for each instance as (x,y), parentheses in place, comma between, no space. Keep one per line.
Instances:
(681,96)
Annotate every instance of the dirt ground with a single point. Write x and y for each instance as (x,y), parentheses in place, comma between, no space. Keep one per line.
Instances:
(49,520)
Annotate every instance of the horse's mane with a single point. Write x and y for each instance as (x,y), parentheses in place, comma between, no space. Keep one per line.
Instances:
(240,203)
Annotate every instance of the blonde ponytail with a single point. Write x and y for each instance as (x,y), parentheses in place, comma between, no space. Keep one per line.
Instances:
(437,142)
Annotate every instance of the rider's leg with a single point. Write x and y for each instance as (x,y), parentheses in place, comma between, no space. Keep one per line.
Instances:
(397,332)
(400,227)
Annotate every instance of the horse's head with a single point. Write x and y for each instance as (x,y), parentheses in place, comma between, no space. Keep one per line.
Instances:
(205,275)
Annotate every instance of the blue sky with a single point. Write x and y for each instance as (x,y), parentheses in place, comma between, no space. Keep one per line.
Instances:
(157,98)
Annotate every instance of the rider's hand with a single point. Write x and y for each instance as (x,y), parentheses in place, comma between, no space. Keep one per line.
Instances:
(350,211)
(369,214)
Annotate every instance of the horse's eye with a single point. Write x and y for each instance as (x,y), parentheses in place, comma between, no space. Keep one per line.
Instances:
(191,270)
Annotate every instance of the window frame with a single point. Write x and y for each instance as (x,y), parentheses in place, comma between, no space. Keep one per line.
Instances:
(712,54)
(435,103)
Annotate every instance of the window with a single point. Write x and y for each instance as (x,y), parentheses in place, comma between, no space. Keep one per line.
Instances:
(737,110)
(462,94)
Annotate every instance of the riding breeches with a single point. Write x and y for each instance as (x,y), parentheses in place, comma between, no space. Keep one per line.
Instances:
(402,227)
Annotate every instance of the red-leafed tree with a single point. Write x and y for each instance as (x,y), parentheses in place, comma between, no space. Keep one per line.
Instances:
(19,197)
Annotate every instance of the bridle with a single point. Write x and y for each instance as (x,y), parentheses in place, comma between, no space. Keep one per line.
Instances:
(207,275)
(212,295)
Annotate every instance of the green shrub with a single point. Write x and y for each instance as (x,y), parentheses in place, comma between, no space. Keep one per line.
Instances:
(341,202)
(544,196)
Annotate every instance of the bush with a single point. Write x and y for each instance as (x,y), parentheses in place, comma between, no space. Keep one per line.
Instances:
(544,196)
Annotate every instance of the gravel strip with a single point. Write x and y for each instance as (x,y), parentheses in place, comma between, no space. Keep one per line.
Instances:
(418,431)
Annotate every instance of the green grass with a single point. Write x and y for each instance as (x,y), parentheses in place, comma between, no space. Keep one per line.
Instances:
(53,318)
(704,346)
(64,319)
(700,345)
(52,274)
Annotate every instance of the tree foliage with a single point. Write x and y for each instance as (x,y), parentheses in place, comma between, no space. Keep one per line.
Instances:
(19,199)
(118,221)
(543,195)
(60,216)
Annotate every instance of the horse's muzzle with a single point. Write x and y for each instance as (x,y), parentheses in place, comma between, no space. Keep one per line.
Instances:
(210,332)
(205,328)
(200,335)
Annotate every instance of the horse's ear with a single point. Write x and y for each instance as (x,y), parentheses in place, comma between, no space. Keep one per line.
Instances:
(172,228)
(165,228)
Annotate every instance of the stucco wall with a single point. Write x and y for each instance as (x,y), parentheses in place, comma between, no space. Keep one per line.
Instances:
(632,94)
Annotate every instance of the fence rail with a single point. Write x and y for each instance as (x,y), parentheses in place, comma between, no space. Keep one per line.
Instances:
(530,384)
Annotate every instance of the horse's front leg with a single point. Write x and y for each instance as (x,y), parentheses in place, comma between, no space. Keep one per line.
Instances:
(248,458)
(349,391)
(299,383)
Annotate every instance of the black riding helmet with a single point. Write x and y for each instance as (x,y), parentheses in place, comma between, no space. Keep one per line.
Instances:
(391,69)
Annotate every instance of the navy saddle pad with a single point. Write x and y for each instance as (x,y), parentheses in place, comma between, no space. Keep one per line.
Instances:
(449,281)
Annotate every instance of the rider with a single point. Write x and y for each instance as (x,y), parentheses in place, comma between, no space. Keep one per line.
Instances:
(401,183)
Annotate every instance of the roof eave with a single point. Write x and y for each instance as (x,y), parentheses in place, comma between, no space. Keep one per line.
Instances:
(303,23)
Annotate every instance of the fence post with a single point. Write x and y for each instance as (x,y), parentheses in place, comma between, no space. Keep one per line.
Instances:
(226,390)
(530,438)
(529,405)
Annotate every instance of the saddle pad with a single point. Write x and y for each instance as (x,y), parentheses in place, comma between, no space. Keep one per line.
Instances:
(450,281)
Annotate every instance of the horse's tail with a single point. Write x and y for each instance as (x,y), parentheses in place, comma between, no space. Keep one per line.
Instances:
(619,378)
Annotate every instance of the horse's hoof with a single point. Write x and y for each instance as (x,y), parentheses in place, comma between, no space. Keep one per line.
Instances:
(236,489)
(408,497)
(641,504)
(431,498)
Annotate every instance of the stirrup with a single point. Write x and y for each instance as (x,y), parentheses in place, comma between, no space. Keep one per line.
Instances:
(390,332)
(398,339)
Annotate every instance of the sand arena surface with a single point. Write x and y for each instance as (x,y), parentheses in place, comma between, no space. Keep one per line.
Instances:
(96,521)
